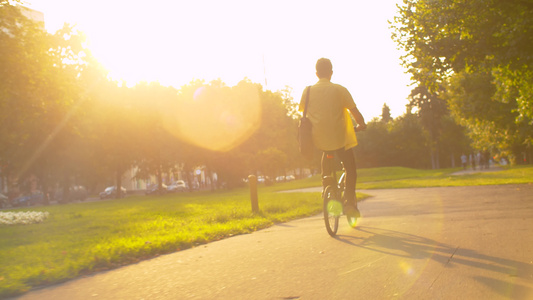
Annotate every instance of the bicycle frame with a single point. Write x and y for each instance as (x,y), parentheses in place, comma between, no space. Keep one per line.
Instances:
(331,179)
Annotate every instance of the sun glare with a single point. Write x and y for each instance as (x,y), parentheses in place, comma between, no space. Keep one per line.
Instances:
(215,118)
(273,43)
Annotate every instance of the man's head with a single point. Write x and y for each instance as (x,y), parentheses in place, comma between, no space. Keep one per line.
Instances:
(324,69)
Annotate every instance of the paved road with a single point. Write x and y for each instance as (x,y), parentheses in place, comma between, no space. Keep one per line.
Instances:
(431,243)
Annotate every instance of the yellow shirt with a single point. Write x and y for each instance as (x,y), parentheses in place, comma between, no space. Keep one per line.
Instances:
(328,111)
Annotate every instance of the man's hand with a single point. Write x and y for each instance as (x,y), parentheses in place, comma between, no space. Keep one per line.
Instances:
(360,127)
(361,124)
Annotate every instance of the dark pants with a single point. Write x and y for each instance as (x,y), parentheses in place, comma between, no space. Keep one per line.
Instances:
(348,159)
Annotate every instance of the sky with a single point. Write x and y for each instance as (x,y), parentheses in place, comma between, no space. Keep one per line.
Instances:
(275,43)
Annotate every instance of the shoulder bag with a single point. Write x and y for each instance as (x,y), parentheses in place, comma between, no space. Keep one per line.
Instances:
(305,136)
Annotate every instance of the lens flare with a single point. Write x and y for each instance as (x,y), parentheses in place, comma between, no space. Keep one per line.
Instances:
(406,268)
(198,93)
(334,208)
(352,221)
(215,118)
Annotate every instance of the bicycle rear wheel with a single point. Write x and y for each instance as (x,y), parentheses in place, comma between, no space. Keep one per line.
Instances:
(331,210)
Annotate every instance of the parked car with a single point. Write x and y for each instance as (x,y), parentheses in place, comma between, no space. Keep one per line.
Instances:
(154,189)
(264,179)
(285,178)
(110,192)
(29,199)
(178,186)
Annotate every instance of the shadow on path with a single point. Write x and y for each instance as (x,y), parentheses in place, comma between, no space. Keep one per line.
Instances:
(411,246)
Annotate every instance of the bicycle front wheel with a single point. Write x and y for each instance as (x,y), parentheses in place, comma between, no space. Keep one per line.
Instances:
(332,210)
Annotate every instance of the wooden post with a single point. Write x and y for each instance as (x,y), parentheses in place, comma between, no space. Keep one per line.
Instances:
(252,180)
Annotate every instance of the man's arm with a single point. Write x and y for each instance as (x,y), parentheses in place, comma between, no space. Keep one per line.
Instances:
(302,100)
(361,125)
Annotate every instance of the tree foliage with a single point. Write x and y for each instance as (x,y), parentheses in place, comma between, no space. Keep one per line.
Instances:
(66,123)
(405,142)
(385,113)
(477,56)
(39,97)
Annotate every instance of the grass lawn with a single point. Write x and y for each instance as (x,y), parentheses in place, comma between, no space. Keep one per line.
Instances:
(399,177)
(82,238)
(372,179)
(86,237)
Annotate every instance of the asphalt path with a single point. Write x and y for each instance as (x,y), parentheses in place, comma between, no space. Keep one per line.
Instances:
(427,243)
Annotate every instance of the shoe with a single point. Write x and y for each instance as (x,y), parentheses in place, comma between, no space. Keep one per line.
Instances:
(352,211)
(352,214)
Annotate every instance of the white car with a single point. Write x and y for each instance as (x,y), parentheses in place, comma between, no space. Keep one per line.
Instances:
(178,186)
(111,192)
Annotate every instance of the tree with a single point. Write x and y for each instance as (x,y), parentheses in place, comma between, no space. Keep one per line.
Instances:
(400,142)
(374,148)
(431,111)
(272,161)
(452,38)
(40,97)
(21,41)
(385,114)
(277,130)
(409,146)
(156,146)
(67,123)
(491,122)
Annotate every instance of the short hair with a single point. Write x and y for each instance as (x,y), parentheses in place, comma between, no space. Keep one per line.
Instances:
(323,67)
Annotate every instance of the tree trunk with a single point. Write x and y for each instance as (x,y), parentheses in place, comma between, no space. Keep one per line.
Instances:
(211,180)
(432,154)
(453,160)
(66,187)
(45,188)
(159,179)
(119,181)
(435,159)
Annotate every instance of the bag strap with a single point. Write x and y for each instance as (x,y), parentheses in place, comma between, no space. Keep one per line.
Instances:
(307,100)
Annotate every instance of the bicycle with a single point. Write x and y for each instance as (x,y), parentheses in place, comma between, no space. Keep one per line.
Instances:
(333,195)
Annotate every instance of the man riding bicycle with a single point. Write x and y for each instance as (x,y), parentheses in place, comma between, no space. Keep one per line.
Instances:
(329,109)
